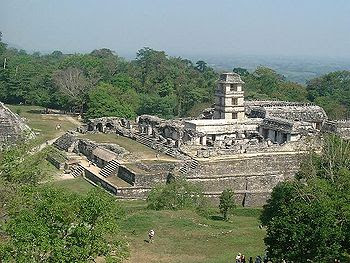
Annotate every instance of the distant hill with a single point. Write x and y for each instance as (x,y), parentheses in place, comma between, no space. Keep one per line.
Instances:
(295,69)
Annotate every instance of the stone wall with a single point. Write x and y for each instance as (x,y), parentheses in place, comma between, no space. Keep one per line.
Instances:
(100,181)
(252,177)
(126,174)
(145,178)
(121,192)
(339,127)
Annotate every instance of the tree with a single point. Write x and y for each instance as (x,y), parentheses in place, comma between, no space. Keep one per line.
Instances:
(73,83)
(176,195)
(112,101)
(241,71)
(308,220)
(332,92)
(201,65)
(19,167)
(51,225)
(227,203)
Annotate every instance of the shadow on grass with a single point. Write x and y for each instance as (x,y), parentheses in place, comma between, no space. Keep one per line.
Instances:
(36,111)
(217,218)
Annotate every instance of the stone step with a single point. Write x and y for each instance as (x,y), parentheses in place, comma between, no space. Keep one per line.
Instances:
(109,169)
(77,171)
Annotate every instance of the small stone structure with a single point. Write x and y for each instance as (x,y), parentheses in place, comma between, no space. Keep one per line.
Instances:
(340,127)
(12,127)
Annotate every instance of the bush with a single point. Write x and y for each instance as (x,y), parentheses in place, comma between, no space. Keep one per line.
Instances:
(227,203)
(178,194)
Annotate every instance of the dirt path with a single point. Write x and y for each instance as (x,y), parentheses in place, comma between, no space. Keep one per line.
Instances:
(72,120)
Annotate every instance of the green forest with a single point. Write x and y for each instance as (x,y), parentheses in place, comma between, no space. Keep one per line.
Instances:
(102,83)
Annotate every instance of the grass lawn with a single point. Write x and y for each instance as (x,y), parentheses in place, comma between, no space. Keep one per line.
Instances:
(44,124)
(183,236)
(77,185)
(129,144)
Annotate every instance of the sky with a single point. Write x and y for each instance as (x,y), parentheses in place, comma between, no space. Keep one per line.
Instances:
(319,28)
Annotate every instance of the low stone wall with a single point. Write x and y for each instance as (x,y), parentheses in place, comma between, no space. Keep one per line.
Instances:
(55,162)
(126,174)
(150,180)
(100,181)
(120,192)
(133,192)
(145,179)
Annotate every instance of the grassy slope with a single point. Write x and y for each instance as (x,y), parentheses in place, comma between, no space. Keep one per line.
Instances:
(129,144)
(77,185)
(43,124)
(183,236)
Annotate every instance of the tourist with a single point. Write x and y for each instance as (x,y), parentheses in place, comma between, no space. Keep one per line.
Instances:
(258,259)
(238,258)
(151,236)
(242,259)
(250,259)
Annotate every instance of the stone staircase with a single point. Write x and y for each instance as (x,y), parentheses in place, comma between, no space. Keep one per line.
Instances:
(146,140)
(189,166)
(159,146)
(78,170)
(109,169)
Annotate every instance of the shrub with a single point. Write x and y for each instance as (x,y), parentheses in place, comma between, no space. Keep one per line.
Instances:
(178,194)
(227,203)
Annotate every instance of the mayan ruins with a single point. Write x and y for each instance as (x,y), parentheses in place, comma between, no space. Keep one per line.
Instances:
(12,127)
(248,146)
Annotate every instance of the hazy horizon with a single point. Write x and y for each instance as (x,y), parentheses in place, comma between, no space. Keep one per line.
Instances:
(290,28)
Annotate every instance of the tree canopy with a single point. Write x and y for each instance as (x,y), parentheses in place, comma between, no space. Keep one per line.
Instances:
(308,220)
(51,225)
(160,84)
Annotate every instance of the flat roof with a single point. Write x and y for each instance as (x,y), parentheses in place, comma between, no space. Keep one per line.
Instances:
(219,122)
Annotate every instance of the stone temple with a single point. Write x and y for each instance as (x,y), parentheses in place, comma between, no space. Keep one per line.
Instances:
(248,146)
(12,127)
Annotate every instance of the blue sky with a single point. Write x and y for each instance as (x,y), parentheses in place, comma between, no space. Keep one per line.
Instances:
(181,27)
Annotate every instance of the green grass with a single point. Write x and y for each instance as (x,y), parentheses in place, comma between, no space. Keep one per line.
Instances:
(78,185)
(43,124)
(184,236)
(128,144)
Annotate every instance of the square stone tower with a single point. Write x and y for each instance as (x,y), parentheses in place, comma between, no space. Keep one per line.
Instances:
(229,97)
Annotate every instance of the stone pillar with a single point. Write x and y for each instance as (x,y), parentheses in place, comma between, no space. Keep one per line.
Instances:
(149,130)
(204,140)
(197,141)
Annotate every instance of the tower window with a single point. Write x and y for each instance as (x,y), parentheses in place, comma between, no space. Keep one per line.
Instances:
(234,115)
(234,101)
(233,87)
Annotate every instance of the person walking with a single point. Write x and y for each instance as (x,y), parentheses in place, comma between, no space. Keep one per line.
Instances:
(243,259)
(238,258)
(258,259)
(151,235)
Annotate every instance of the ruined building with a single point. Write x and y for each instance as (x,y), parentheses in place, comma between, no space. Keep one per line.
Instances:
(11,126)
(246,146)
